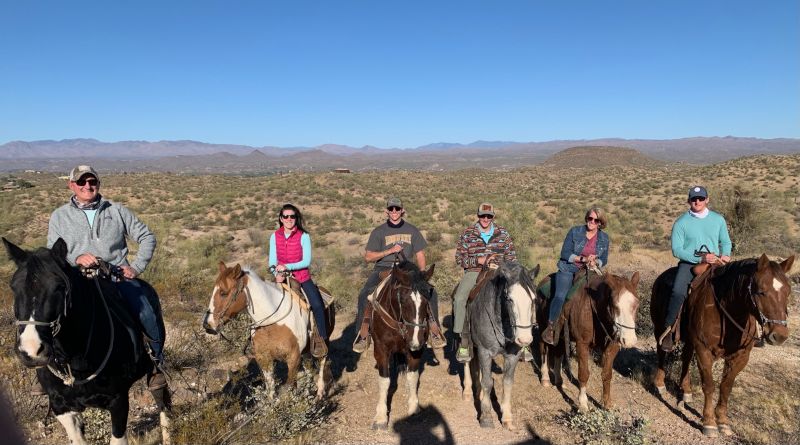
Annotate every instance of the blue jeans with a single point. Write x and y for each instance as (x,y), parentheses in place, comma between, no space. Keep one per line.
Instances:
(679,290)
(317,306)
(564,276)
(144,305)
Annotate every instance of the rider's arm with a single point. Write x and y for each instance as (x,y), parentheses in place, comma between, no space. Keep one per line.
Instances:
(421,259)
(509,252)
(678,241)
(725,244)
(140,233)
(463,258)
(603,259)
(566,248)
(305,243)
(273,252)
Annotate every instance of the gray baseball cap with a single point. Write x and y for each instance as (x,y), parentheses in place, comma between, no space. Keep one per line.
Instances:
(394,202)
(698,191)
(81,170)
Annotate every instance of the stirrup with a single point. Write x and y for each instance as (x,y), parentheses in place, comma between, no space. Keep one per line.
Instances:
(549,334)
(362,343)
(463,354)
(318,347)
(666,341)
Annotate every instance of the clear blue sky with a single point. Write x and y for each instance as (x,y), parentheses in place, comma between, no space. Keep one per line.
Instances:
(397,73)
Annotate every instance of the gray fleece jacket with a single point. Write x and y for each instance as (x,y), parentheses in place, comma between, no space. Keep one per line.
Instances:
(113,223)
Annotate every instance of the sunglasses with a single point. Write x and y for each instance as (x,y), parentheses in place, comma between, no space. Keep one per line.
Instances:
(486,216)
(697,198)
(394,209)
(594,220)
(292,216)
(92,182)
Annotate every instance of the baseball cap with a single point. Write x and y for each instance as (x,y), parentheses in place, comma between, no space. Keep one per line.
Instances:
(394,202)
(486,209)
(77,172)
(698,190)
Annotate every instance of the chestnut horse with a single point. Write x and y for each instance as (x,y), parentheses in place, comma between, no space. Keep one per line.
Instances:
(720,319)
(400,327)
(280,328)
(601,315)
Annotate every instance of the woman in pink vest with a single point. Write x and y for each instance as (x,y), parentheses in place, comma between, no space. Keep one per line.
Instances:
(290,249)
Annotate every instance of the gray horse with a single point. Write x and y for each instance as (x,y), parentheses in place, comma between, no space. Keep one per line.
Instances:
(501,318)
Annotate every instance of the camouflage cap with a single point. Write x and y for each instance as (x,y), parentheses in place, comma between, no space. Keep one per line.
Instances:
(81,170)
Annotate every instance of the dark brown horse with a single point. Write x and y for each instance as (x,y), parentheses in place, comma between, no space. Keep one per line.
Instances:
(400,327)
(602,315)
(720,319)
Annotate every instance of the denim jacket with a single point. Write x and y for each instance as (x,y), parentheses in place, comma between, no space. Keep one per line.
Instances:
(576,241)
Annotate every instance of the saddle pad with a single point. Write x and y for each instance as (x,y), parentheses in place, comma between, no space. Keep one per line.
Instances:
(546,288)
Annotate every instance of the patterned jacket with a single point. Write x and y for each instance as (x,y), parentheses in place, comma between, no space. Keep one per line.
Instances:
(471,246)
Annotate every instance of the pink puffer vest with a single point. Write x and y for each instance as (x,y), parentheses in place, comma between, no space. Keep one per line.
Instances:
(289,250)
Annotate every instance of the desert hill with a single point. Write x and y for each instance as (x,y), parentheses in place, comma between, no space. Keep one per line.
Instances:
(599,156)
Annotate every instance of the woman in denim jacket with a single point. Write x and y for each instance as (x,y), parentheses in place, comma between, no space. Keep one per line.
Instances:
(585,246)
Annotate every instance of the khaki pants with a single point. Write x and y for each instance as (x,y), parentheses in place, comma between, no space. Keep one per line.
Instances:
(460,299)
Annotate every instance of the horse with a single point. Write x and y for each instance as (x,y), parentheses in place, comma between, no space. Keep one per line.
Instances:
(400,328)
(281,323)
(501,322)
(720,319)
(78,335)
(601,315)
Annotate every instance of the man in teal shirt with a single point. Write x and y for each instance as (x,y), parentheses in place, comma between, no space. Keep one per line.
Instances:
(698,236)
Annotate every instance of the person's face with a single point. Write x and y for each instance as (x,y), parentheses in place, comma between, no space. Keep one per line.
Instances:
(698,204)
(85,188)
(288,218)
(485,221)
(592,223)
(394,213)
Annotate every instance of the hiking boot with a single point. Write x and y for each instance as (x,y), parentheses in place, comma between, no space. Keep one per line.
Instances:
(37,389)
(667,340)
(525,354)
(435,339)
(548,335)
(318,347)
(361,344)
(156,380)
(463,354)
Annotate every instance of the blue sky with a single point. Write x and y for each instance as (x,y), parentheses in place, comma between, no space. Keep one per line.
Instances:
(398,74)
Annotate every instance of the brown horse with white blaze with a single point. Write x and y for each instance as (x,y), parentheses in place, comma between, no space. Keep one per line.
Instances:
(720,320)
(602,315)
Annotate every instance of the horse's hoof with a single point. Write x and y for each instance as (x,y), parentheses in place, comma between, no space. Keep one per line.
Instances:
(487,423)
(710,431)
(688,398)
(380,426)
(682,406)
(546,384)
(466,395)
(662,391)
(509,425)
(725,429)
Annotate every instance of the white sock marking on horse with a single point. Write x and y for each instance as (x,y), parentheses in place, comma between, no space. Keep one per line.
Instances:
(381,410)
(29,340)
(412,379)
(321,378)
(776,284)
(583,400)
(417,299)
(121,441)
(71,422)
(627,317)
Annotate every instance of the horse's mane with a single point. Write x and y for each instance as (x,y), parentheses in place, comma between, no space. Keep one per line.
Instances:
(418,282)
(723,277)
(515,273)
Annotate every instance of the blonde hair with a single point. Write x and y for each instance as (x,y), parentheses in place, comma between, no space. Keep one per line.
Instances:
(601,215)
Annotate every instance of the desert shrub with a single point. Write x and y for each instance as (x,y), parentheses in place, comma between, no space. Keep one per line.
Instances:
(601,427)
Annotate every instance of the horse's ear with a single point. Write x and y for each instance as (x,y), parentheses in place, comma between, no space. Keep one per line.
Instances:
(429,273)
(635,279)
(237,270)
(763,261)
(786,265)
(15,253)
(59,249)
(535,272)
(222,267)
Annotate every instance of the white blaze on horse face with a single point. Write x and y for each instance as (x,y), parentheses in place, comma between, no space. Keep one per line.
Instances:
(626,319)
(29,341)
(211,321)
(523,306)
(777,284)
(417,299)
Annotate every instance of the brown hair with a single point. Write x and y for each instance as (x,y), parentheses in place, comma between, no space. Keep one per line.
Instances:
(601,215)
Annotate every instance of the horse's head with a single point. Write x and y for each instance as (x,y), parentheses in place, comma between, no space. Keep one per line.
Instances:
(622,306)
(227,299)
(769,291)
(410,291)
(519,296)
(42,292)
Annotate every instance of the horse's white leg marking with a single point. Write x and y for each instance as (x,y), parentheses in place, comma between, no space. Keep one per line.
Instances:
(505,407)
(121,441)
(412,379)
(321,378)
(166,439)
(626,317)
(417,299)
(71,422)
(523,305)
(269,382)
(381,410)
(583,400)
(545,369)
(466,392)
(29,341)
(776,284)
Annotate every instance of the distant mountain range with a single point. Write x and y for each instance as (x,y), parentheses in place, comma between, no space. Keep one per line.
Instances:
(199,157)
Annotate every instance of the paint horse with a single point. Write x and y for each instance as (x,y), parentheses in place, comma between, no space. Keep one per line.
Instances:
(281,322)
(720,319)
(601,315)
(399,328)
(501,322)
(77,333)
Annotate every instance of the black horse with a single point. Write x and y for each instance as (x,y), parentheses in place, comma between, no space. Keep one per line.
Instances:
(76,332)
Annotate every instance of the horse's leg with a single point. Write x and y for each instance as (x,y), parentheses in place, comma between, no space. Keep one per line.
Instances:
(71,421)
(583,374)
(686,381)
(119,420)
(658,377)
(705,362)
(466,389)
(321,363)
(609,354)
(412,383)
(733,366)
(292,365)
(382,358)
(509,367)
(556,358)
(487,383)
(267,370)
(544,369)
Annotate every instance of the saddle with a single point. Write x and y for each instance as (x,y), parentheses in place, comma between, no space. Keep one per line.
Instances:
(484,276)
(578,280)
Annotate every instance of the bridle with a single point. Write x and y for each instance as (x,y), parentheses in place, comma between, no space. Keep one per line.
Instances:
(397,323)
(615,332)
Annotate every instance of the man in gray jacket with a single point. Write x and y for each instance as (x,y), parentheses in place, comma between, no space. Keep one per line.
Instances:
(96,228)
